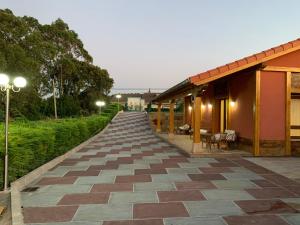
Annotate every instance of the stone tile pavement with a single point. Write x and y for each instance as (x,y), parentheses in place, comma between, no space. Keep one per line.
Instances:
(131,177)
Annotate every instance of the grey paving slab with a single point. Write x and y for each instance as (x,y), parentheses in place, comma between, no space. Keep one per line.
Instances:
(160,178)
(194,221)
(212,208)
(183,170)
(118,172)
(150,186)
(66,188)
(194,164)
(135,166)
(219,194)
(234,184)
(293,219)
(94,213)
(202,160)
(133,197)
(40,199)
(96,179)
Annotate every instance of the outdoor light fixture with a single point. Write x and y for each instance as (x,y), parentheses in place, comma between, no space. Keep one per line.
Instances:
(100,104)
(118,96)
(6,86)
(189,94)
(232,103)
(209,105)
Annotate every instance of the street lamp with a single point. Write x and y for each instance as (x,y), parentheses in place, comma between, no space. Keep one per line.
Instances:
(118,97)
(6,86)
(100,104)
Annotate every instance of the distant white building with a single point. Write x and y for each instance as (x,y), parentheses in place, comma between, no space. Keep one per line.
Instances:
(136,103)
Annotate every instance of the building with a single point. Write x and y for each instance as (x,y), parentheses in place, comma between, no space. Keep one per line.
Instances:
(257,96)
(136,101)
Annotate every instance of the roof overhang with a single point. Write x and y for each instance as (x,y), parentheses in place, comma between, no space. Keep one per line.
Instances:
(183,88)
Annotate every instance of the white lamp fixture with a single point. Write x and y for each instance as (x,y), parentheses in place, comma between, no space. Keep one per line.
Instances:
(20,82)
(118,96)
(100,103)
(203,106)
(232,103)
(209,105)
(190,108)
(4,79)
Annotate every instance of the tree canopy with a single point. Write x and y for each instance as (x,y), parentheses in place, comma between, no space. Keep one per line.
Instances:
(47,56)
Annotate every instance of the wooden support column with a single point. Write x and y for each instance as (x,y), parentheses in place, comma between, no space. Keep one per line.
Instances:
(197,120)
(171,119)
(256,135)
(158,118)
(288,114)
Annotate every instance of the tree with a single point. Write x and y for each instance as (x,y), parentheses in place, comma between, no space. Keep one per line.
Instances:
(47,54)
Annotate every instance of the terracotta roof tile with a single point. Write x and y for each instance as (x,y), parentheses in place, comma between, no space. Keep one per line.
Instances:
(242,62)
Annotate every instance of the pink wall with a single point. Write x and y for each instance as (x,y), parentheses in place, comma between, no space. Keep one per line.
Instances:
(272,108)
(206,113)
(288,60)
(242,89)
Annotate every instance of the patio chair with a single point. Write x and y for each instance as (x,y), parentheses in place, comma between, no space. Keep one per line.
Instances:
(230,138)
(184,129)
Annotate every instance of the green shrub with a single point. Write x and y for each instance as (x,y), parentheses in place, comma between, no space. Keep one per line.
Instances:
(32,144)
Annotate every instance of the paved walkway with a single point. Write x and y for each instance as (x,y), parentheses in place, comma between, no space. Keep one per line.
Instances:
(130,177)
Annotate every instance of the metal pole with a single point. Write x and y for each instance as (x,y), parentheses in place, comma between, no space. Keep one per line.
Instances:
(6,141)
(54,100)
(100,110)
(118,105)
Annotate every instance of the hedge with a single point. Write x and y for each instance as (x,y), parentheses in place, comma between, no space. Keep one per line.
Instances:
(33,143)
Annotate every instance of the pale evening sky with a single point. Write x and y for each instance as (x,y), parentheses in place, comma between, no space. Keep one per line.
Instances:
(158,43)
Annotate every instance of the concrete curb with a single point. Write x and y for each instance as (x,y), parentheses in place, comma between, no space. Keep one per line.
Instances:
(18,185)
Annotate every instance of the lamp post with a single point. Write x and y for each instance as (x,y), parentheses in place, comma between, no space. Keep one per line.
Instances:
(100,104)
(6,86)
(118,96)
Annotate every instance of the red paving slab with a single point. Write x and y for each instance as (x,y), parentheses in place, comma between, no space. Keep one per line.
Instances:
(177,196)
(57,180)
(192,185)
(268,193)
(49,214)
(150,171)
(159,210)
(280,180)
(264,183)
(208,176)
(133,178)
(112,187)
(224,164)
(265,206)
(215,170)
(135,222)
(84,198)
(255,220)
(82,173)
(104,167)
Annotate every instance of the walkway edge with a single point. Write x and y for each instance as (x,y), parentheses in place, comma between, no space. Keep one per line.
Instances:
(19,184)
